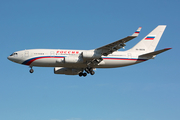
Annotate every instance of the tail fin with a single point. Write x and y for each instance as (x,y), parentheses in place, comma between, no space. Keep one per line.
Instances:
(149,43)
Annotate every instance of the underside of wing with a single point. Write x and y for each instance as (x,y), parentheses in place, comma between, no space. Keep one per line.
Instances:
(110,48)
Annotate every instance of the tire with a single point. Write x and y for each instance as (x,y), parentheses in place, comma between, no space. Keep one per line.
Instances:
(80,74)
(92,72)
(31,70)
(84,74)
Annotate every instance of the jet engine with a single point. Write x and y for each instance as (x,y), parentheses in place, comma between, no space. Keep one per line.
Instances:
(66,71)
(91,54)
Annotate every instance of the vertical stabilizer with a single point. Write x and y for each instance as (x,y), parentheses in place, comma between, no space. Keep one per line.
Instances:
(149,43)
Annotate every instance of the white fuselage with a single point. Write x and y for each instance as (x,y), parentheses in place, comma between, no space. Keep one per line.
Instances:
(55,58)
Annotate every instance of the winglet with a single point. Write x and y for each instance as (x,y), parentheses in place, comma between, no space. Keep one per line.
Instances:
(137,32)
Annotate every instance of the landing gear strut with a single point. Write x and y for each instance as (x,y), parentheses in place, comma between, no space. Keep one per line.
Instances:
(88,70)
(31,70)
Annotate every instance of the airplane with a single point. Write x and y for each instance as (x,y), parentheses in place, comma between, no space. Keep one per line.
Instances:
(83,62)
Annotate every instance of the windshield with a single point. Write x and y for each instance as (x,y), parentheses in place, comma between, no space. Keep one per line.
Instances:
(13,54)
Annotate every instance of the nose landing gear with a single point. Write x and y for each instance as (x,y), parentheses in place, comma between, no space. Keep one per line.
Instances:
(31,70)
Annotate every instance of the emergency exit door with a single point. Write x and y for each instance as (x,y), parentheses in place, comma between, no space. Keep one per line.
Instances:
(52,54)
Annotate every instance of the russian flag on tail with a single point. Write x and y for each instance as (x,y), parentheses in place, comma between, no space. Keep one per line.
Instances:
(151,37)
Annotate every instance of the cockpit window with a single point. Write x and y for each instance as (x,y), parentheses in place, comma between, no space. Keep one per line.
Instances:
(13,54)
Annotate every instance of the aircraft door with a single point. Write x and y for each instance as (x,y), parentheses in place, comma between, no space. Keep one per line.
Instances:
(129,55)
(26,54)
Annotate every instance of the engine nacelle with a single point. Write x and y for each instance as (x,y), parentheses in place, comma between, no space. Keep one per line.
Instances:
(91,54)
(66,71)
(60,60)
(73,59)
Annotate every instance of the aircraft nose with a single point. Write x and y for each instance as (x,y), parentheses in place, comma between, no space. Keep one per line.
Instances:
(14,59)
(8,58)
(11,58)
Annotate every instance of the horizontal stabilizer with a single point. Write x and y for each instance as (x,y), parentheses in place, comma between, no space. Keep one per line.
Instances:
(153,54)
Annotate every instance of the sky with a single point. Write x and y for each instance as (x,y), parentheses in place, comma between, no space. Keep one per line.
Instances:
(145,91)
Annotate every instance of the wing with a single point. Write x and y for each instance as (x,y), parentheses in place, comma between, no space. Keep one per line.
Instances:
(110,48)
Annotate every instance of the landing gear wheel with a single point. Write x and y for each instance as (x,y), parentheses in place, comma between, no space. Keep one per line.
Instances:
(31,70)
(80,74)
(84,74)
(92,72)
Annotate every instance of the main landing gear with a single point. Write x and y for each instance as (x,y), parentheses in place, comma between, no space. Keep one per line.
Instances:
(82,74)
(31,70)
(88,70)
